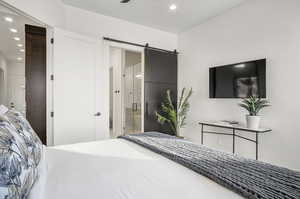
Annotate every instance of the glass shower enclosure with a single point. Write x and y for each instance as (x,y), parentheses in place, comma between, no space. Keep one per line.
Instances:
(126,79)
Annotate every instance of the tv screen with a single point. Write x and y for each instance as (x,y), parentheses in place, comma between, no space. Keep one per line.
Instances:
(239,80)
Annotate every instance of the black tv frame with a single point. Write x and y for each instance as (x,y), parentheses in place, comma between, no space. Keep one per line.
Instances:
(262,87)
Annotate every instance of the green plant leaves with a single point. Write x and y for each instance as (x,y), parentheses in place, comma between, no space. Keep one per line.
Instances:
(175,117)
(254,105)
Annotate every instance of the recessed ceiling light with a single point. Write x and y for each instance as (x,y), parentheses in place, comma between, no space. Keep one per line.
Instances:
(8,19)
(19,58)
(20,45)
(173,7)
(22,50)
(240,66)
(17,38)
(13,30)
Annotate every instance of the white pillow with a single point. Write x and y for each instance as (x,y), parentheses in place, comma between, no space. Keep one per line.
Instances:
(38,190)
(3,109)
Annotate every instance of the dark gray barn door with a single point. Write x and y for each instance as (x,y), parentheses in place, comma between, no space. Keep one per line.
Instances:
(160,75)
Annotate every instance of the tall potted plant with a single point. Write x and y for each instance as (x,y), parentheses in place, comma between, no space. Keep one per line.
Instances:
(253,105)
(174,116)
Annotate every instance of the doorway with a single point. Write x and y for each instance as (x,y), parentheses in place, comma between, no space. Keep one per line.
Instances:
(23,66)
(126,91)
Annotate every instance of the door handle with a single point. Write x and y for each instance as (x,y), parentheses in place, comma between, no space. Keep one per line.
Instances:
(97,114)
(136,107)
(147,109)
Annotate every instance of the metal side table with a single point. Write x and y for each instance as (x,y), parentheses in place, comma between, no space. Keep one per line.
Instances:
(234,128)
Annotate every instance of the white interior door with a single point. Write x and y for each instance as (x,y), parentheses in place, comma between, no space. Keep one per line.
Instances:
(116,62)
(74,88)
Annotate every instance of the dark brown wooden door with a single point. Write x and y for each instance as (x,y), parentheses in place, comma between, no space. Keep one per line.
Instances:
(35,73)
(160,75)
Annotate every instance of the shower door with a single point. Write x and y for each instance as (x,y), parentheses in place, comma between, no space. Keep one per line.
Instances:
(132,117)
(126,80)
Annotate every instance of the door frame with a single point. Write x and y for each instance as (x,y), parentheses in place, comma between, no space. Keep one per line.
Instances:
(110,44)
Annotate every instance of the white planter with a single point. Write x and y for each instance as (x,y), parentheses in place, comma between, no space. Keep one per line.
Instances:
(253,121)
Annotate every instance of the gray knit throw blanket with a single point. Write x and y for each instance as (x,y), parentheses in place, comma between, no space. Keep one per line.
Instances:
(249,178)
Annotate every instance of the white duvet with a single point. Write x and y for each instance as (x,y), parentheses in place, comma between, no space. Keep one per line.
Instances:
(119,169)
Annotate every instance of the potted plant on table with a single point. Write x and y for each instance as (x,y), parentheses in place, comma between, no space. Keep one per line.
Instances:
(174,116)
(253,105)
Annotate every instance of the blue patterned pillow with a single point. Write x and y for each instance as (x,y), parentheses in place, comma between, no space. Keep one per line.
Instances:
(29,136)
(18,172)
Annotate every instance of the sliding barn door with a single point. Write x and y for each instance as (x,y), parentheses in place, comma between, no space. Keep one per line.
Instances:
(160,75)
(74,88)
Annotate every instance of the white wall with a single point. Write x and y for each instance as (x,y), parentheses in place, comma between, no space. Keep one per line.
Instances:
(132,58)
(50,12)
(16,68)
(93,24)
(3,81)
(16,85)
(258,29)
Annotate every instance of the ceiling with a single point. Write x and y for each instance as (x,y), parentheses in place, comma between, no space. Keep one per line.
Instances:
(8,46)
(156,13)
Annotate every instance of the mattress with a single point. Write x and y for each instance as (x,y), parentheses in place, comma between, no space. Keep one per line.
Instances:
(119,169)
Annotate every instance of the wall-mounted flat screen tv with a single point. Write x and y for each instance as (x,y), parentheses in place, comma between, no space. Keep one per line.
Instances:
(239,80)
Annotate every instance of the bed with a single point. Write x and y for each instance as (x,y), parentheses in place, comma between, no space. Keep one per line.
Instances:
(137,166)
(119,169)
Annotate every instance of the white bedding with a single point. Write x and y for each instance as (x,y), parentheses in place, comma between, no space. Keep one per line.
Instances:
(119,169)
